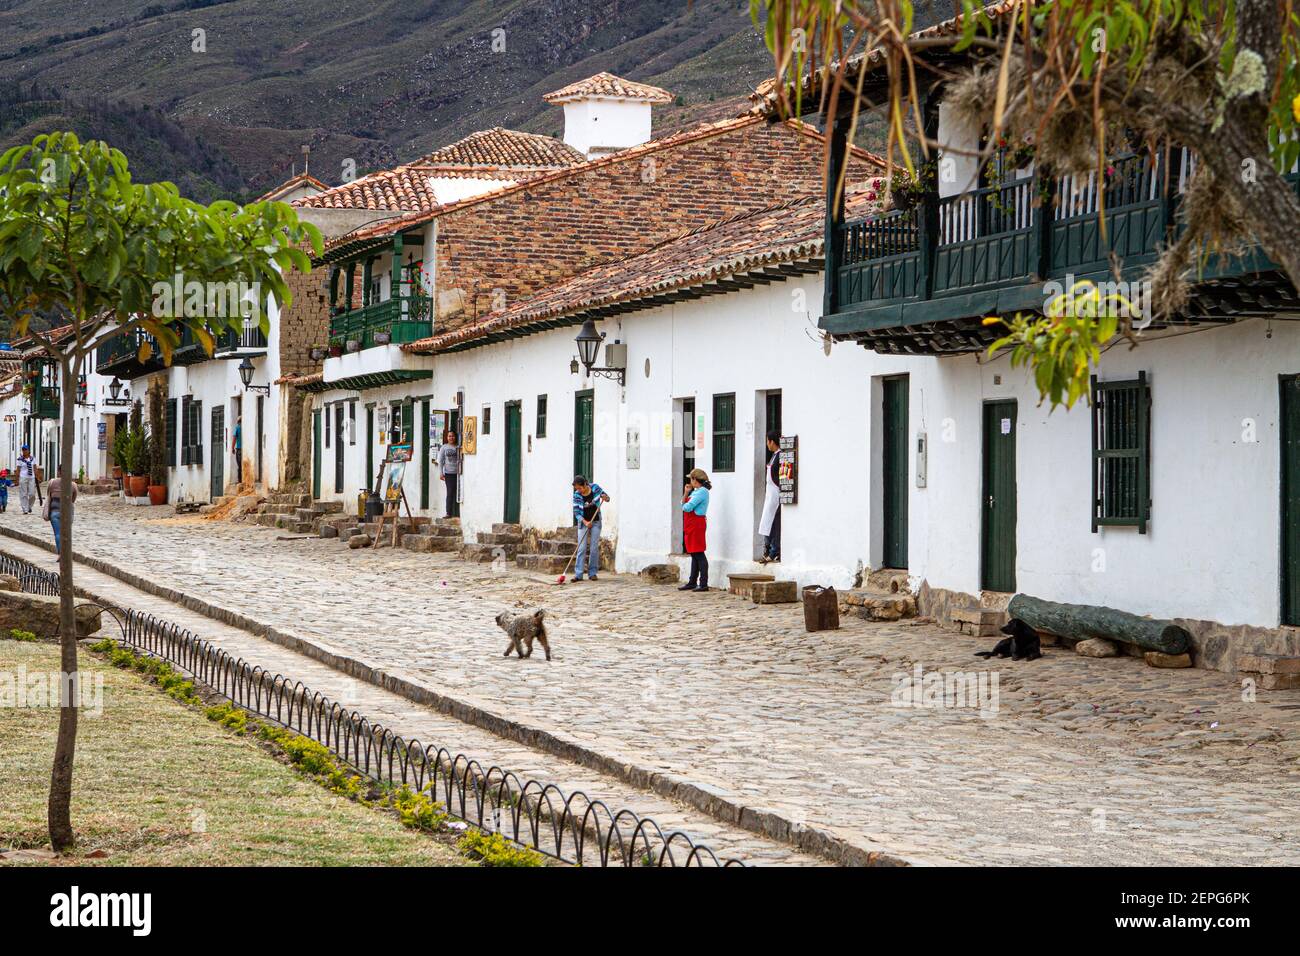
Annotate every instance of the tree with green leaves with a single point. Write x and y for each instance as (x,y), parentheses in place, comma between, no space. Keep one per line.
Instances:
(82,243)
(1075,78)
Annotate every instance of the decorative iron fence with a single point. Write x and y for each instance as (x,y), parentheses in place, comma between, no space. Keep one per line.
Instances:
(572,828)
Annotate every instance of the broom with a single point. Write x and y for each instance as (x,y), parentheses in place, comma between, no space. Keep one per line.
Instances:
(573,557)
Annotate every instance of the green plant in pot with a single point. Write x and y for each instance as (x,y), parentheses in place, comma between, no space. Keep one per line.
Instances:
(136,457)
(157,446)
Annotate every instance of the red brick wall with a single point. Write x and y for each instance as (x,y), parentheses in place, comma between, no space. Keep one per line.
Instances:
(499,251)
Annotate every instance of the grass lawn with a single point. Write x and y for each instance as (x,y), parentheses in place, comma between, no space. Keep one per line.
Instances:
(158,784)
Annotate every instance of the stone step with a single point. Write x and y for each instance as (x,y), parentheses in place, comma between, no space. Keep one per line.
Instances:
(496,537)
(431,543)
(978,621)
(877,605)
(545,563)
(443,531)
(327,507)
(267,520)
(307,514)
(278,509)
(508,528)
(557,546)
(889,580)
(563,534)
(742,585)
(489,552)
(297,500)
(448,522)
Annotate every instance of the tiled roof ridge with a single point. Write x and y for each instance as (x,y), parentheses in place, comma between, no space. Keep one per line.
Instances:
(608,85)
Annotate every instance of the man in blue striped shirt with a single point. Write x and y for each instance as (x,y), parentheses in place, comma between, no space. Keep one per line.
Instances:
(587,500)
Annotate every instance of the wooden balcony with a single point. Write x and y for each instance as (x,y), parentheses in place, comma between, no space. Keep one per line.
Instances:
(232,343)
(920,280)
(404,318)
(120,355)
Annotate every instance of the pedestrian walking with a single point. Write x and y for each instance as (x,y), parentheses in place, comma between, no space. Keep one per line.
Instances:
(26,480)
(54,511)
(449,462)
(237,446)
(4,490)
(769,526)
(695,505)
(588,497)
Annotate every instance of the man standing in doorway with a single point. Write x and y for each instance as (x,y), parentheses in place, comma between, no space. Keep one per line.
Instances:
(26,480)
(237,446)
(587,500)
(770,524)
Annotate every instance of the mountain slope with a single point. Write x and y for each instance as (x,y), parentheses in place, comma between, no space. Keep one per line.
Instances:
(372,81)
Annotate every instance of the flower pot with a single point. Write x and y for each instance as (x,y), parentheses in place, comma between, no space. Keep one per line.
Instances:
(336,351)
(139,485)
(157,494)
(383,338)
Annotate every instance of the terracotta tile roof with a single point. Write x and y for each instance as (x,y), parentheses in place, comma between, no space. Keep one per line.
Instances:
(297,380)
(632,154)
(789,233)
(302,179)
(611,86)
(508,148)
(493,154)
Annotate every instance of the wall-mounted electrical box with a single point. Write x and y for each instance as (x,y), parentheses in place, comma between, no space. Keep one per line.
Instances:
(922,450)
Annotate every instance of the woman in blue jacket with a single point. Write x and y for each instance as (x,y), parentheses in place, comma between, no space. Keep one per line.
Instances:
(695,504)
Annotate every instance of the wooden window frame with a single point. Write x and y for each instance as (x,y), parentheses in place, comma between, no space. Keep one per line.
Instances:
(1121,497)
(724,439)
(542,409)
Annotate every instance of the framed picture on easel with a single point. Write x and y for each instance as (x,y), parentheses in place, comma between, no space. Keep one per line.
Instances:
(393,490)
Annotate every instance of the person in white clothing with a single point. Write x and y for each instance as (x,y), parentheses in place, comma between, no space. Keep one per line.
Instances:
(769,526)
(26,480)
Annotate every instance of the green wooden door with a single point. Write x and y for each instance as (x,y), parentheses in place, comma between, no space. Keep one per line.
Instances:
(218,453)
(584,427)
(514,460)
(998,502)
(370,448)
(425,451)
(315,453)
(338,448)
(1290,429)
(893,471)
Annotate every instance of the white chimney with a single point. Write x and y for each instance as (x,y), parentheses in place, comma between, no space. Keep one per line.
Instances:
(605,113)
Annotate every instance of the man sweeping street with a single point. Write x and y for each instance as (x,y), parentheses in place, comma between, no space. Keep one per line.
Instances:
(26,480)
(587,500)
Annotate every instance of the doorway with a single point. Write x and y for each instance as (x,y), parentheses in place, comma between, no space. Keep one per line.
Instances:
(339,447)
(1290,481)
(894,471)
(584,437)
(261,436)
(998,502)
(514,461)
(315,454)
(218,453)
(682,466)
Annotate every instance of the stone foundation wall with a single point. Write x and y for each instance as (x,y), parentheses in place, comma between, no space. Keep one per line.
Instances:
(1215,646)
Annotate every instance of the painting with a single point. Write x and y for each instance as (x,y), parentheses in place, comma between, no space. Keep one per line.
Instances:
(469,441)
(393,492)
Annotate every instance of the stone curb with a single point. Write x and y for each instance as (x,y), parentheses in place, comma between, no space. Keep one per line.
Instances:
(766,823)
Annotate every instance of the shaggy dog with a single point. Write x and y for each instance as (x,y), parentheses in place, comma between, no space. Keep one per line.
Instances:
(1023,644)
(523,629)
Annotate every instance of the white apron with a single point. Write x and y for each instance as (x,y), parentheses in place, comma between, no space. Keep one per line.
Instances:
(771,502)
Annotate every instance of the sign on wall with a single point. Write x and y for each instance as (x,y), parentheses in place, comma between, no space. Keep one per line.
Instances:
(102,430)
(437,430)
(381,423)
(469,444)
(787,469)
(399,453)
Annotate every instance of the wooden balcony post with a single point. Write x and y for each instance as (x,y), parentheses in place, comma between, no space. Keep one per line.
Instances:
(395,275)
(1044,215)
(349,283)
(835,128)
(928,240)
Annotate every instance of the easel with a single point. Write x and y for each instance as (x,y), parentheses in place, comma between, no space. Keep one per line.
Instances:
(392,505)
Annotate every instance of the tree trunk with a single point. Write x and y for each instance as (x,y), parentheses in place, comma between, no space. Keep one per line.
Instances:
(60,806)
(1083,621)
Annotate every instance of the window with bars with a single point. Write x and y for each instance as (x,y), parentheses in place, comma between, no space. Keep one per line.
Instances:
(724,432)
(541,416)
(352,423)
(486,427)
(171,424)
(191,432)
(1121,453)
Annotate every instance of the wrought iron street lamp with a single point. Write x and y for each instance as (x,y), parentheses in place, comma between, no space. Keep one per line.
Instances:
(246,376)
(589,340)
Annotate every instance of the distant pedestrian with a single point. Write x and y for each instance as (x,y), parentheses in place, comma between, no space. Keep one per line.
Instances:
(4,490)
(26,479)
(54,512)
(449,461)
(695,505)
(770,524)
(237,446)
(588,497)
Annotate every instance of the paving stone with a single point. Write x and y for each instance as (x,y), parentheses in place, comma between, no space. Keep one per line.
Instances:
(1161,659)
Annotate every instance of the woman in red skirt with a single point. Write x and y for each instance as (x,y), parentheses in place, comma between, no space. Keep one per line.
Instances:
(695,504)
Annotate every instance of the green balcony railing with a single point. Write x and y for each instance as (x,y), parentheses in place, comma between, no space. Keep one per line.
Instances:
(402,319)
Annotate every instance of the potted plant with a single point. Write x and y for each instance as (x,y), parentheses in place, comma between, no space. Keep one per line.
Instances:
(137,450)
(336,349)
(157,447)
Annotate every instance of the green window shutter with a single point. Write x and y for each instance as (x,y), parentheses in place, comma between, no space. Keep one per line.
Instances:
(197,433)
(541,416)
(1121,453)
(724,432)
(485,426)
(186,402)
(170,430)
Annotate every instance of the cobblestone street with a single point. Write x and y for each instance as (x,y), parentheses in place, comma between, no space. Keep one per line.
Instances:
(1086,761)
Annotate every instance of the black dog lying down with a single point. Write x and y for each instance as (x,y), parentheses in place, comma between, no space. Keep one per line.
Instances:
(1023,644)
